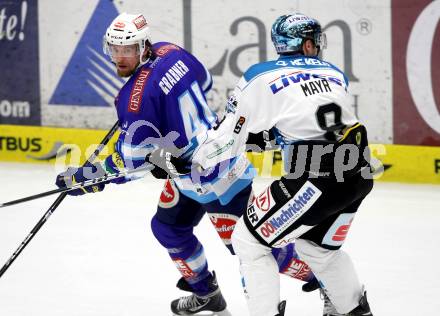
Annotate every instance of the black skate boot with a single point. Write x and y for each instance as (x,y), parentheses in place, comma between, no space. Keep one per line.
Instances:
(192,304)
(310,286)
(329,309)
(363,309)
(281,308)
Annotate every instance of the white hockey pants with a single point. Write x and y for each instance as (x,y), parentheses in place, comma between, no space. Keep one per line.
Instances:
(259,269)
(335,270)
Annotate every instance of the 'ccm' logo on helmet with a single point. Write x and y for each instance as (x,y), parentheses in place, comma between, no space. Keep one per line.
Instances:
(140,22)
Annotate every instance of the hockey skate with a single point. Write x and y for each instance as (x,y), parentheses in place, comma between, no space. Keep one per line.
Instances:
(281,308)
(363,309)
(194,304)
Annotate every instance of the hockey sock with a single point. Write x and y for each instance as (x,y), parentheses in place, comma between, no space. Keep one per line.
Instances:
(186,252)
(193,266)
(289,263)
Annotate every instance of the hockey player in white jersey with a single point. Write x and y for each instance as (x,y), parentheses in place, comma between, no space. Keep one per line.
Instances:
(305,102)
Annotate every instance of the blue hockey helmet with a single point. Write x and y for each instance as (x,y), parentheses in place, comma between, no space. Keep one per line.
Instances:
(290,31)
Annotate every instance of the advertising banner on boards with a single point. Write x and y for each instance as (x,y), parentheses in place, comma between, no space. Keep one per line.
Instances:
(80,83)
(19,63)
(416,72)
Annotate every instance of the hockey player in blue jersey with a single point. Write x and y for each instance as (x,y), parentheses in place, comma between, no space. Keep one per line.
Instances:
(163,103)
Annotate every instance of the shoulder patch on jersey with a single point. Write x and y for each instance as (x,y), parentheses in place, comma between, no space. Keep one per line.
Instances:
(135,100)
(165,49)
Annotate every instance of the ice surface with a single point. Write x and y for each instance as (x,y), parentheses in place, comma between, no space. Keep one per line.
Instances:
(96,255)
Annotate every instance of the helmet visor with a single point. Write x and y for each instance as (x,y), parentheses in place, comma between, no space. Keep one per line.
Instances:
(117,51)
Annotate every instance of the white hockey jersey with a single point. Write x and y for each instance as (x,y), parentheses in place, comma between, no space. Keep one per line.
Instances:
(304,98)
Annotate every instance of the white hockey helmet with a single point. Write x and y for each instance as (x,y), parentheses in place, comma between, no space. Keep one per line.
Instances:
(127,30)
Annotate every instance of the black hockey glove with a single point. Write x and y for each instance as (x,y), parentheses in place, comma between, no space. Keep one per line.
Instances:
(167,163)
(311,285)
(158,173)
(76,175)
(261,141)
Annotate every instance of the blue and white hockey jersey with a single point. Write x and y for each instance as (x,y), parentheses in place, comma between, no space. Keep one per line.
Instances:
(302,98)
(163,104)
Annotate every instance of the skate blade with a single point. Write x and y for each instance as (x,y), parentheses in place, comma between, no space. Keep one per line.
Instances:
(208,313)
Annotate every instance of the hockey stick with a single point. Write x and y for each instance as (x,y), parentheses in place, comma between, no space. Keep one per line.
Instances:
(55,204)
(106,177)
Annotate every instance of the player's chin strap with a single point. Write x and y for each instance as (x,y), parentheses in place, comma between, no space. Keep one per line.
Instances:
(150,55)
